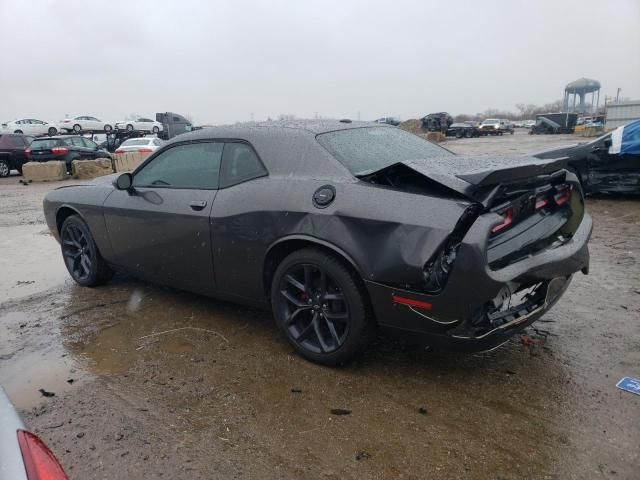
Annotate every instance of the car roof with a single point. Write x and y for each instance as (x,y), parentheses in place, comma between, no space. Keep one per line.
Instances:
(59,137)
(284,147)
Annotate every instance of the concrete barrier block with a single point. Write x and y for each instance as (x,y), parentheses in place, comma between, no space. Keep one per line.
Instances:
(436,137)
(126,162)
(87,169)
(44,171)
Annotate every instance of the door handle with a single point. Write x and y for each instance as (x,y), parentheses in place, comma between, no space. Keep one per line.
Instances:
(197,204)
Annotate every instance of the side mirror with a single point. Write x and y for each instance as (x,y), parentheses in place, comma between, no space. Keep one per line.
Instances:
(124,181)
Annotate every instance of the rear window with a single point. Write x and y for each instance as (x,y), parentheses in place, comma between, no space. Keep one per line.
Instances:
(42,144)
(366,150)
(134,142)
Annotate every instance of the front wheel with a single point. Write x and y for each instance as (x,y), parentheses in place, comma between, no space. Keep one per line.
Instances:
(321,307)
(52,131)
(80,253)
(108,128)
(129,128)
(155,130)
(77,128)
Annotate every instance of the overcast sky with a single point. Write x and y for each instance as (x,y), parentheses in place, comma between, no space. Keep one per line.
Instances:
(221,62)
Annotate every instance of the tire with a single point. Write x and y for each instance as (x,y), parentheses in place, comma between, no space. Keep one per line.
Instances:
(77,128)
(18,132)
(155,130)
(108,128)
(19,168)
(52,131)
(468,133)
(5,170)
(80,254)
(329,325)
(129,127)
(459,134)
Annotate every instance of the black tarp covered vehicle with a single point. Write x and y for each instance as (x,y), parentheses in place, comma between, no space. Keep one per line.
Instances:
(464,129)
(338,228)
(608,164)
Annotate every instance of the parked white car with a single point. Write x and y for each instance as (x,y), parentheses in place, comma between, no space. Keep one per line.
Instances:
(140,124)
(30,126)
(85,123)
(142,145)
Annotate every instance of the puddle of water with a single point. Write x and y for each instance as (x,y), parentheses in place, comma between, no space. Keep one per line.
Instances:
(27,369)
(40,266)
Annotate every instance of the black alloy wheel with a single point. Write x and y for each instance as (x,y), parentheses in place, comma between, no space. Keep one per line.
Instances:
(77,128)
(320,306)
(80,253)
(52,131)
(468,133)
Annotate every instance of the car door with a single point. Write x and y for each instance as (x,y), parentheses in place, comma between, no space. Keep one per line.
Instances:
(18,145)
(237,224)
(91,148)
(606,170)
(160,229)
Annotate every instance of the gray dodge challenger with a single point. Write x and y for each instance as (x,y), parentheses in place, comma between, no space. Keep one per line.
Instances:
(340,228)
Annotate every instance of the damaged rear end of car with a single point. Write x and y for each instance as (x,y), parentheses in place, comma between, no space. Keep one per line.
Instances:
(508,257)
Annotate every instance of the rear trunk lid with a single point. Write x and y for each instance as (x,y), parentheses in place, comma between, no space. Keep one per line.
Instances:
(476,178)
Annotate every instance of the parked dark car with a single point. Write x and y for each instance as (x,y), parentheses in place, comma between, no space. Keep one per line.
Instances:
(23,456)
(437,122)
(463,129)
(65,148)
(338,228)
(599,170)
(13,153)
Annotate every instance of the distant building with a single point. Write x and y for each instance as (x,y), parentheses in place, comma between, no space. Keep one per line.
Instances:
(621,113)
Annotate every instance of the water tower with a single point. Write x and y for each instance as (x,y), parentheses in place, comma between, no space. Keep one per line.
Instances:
(579,89)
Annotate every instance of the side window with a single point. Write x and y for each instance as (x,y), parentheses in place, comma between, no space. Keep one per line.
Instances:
(194,165)
(16,141)
(77,142)
(239,164)
(89,143)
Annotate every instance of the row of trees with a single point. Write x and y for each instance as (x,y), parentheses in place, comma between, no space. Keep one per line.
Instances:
(524,112)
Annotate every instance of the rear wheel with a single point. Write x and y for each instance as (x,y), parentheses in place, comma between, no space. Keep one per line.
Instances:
(321,307)
(129,128)
(77,128)
(52,131)
(459,134)
(80,253)
(468,133)
(155,129)
(4,168)
(108,128)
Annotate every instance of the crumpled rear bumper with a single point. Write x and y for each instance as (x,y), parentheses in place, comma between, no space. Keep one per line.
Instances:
(449,322)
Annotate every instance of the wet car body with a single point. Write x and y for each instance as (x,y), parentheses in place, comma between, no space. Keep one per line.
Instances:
(600,171)
(416,233)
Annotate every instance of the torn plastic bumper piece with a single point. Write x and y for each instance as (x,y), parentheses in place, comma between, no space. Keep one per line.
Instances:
(451,321)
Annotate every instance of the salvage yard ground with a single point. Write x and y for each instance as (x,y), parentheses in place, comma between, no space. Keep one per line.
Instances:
(152,382)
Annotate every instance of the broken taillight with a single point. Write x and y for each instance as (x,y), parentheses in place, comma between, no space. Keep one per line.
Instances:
(563,195)
(39,462)
(507,216)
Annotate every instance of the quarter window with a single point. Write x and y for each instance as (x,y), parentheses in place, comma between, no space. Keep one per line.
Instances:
(194,165)
(239,164)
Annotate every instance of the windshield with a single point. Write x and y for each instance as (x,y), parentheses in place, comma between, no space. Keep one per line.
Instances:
(369,149)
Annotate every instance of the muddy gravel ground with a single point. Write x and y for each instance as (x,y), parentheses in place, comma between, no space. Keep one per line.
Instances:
(152,382)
